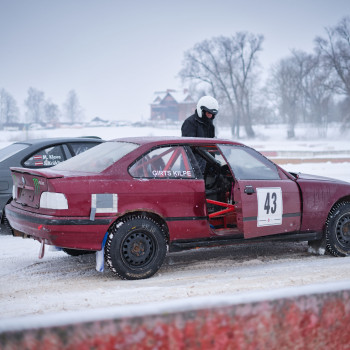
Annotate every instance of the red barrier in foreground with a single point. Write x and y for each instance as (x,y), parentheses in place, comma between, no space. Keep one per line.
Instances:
(314,321)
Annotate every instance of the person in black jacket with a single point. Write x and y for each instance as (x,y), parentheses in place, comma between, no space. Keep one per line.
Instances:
(200,124)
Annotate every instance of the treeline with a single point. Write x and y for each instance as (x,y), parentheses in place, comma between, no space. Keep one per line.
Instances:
(303,87)
(39,109)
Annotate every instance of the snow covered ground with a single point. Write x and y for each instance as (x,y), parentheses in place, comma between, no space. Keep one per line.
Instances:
(60,283)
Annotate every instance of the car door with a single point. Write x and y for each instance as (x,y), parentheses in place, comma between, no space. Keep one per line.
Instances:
(267,202)
(171,187)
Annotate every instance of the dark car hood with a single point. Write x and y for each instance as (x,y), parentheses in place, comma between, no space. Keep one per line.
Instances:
(303,176)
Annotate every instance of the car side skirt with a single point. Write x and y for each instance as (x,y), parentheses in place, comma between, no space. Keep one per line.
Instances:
(179,245)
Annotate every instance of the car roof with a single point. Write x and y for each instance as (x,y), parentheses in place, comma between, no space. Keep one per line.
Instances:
(46,141)
(160,140)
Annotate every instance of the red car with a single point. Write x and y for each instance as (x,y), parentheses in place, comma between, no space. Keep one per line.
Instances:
(136,198)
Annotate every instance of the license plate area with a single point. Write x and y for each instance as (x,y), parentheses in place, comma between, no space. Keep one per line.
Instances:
(28,189)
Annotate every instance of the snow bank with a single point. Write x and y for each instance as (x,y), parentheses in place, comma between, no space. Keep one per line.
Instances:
(311,317)
(168,307)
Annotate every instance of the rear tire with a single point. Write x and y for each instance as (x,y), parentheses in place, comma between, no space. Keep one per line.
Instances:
(136,248)
(6,228)
(338,230)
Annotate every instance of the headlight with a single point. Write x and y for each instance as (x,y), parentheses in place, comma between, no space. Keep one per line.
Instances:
(52,200)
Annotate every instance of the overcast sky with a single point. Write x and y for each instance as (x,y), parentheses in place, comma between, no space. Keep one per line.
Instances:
(116,54)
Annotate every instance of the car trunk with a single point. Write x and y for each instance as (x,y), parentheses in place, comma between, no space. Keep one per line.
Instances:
(29,184)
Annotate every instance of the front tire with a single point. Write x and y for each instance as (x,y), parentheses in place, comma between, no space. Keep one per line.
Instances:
(338,230)
(136,248)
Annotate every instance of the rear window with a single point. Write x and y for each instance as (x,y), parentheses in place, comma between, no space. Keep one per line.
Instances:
(10,150)
(98,158)
(80,147)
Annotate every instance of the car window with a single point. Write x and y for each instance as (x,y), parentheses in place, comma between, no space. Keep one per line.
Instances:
(248,164)
(98,158)
(46,157)
(80,147)
(207,156)
(163,162)
(10,150)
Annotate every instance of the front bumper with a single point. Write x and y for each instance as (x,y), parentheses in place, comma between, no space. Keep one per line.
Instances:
(65,232)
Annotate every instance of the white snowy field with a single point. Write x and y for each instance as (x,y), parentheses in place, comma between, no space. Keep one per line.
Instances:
(59,284)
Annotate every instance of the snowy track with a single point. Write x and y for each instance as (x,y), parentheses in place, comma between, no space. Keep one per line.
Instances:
(59,282)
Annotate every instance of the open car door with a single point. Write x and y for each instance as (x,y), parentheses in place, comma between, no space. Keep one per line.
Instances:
(266,201)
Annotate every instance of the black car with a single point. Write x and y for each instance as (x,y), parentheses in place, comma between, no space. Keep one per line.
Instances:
(40,153)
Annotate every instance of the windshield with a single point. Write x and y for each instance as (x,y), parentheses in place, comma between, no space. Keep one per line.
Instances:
(98,158)
(10,150)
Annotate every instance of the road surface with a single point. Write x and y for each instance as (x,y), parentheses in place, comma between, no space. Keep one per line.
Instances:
(59,283)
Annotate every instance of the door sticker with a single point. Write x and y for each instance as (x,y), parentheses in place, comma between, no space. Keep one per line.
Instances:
(270,206)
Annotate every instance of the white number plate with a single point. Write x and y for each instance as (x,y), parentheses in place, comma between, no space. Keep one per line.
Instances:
(270,206)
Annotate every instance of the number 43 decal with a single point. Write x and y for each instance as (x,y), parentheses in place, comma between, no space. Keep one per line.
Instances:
(270,206)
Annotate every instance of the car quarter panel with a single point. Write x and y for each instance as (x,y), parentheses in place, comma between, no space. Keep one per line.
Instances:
(180,202)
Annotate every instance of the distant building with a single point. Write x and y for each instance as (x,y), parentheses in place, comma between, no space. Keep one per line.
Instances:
(172,105)
(97,121)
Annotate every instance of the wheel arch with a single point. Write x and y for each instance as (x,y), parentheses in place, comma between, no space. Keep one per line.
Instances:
(335,205)
(143,213)
(336,237)
(320,246)
(136,245)
(329,212)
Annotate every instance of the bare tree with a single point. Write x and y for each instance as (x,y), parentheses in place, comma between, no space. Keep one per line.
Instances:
(72,109)
(335,53)
(317,90)
(226,66)
(52,112)
(35,104)
(9,112)
(285,86)
(302,88)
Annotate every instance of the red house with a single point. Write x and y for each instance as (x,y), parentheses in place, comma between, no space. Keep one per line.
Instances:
(172,105)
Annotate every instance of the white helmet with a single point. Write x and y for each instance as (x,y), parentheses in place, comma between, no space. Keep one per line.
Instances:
(207,104)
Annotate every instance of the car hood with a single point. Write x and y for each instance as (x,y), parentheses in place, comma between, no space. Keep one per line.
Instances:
(303,176)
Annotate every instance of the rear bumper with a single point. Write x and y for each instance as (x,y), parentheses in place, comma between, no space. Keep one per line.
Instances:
(65,232)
